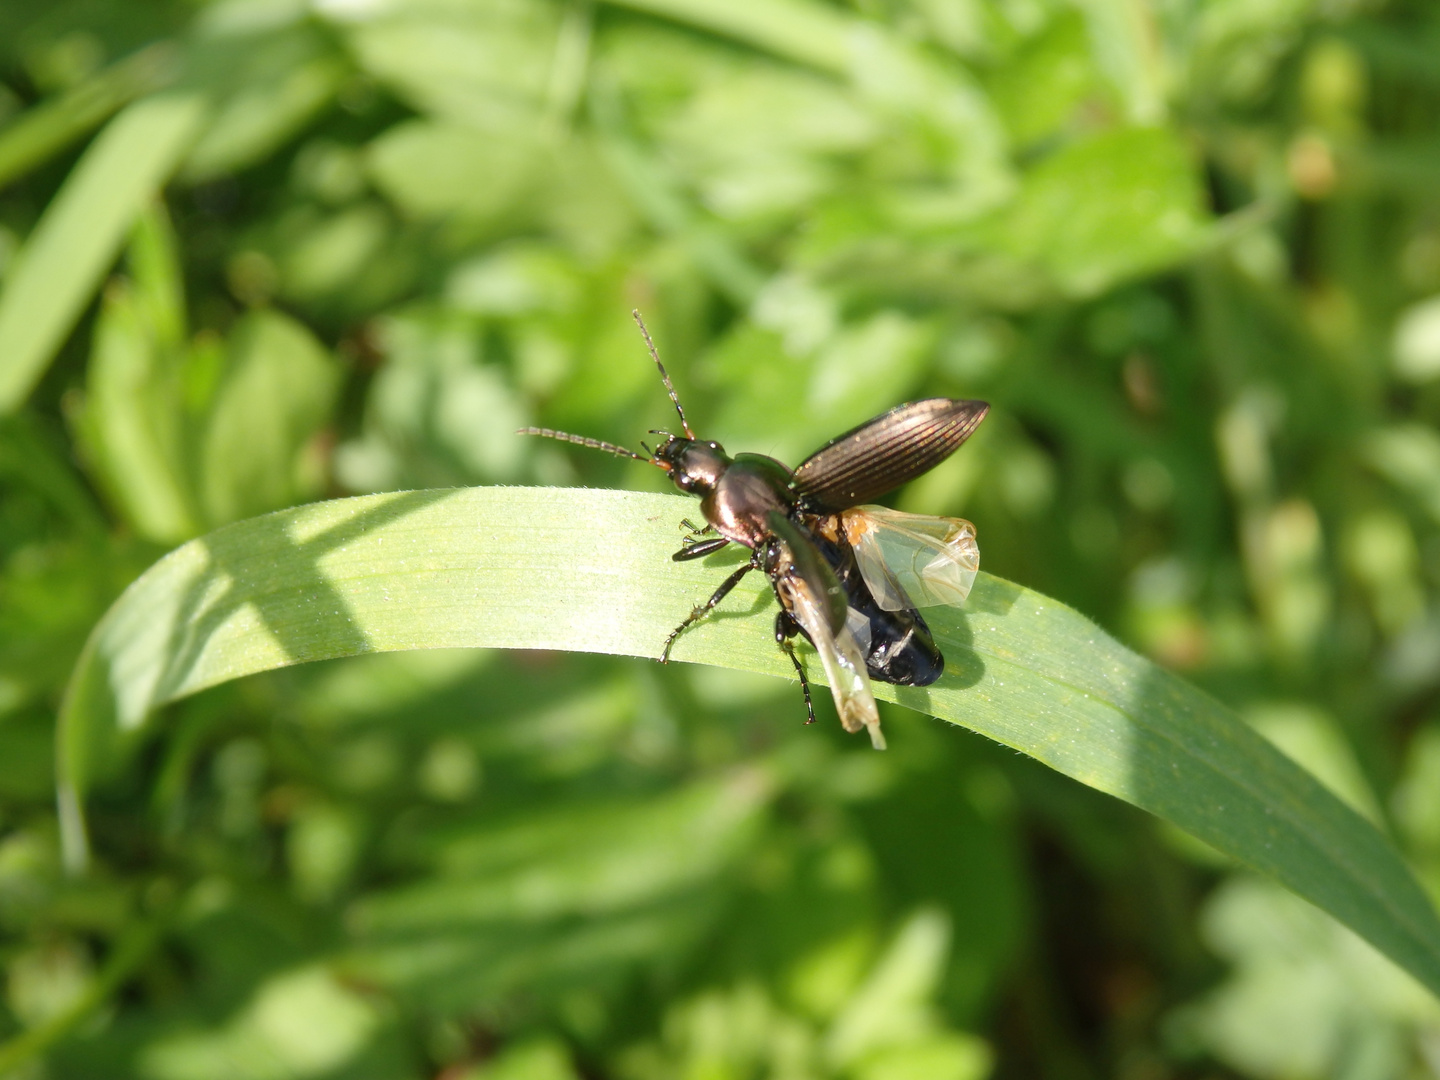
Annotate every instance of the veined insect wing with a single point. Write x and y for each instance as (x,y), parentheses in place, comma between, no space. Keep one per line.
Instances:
(883,453)
(912,560)
(808,589)
(840,656)
(801,559)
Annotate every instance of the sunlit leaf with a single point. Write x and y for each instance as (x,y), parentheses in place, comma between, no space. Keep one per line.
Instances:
(588,570)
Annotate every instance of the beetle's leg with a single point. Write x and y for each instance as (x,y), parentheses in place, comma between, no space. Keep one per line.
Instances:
(698,549)
(694,532)
(785,629)
(704,609)
(691,539)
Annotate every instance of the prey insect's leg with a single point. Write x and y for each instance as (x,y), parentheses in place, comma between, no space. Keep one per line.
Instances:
(785,629)
(696,530)
(699,549)
(704,609)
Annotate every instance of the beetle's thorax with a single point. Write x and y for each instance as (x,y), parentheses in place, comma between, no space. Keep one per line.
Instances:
(736,493)
(748,491)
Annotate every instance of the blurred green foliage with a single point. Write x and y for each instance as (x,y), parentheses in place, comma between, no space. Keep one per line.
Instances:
(258,251)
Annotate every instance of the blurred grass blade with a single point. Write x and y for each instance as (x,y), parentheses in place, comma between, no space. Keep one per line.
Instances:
(810,33)
(283,86)
(53,125)
(538,568)
(1408,455)
(76,239)
(133,949)
(275,396)
(133,421)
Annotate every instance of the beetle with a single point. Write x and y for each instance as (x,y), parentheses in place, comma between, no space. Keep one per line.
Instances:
(847,576)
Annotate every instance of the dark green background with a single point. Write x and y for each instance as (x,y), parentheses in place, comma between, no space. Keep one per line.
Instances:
(1189,250)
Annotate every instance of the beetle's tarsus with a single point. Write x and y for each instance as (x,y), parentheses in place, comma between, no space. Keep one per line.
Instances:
(789,650)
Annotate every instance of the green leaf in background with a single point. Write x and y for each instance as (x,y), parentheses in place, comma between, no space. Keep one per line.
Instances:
(1408,455)
(482,65)
(511,904)
(437,169)
(133,419)
(883,1025)
(82,229)
(423,424)
(1190,253)
(283,82)
(1272,940)
(1139,207)
(1043,85)
(275,395)
(795,29)
(268,1030)
(536,568)
(1125,39)
(184,433)
(50,127)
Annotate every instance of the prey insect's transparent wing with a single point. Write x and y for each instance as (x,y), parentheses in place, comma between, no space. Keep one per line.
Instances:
(808,589)
(910,560)
(841,657)
(883,453)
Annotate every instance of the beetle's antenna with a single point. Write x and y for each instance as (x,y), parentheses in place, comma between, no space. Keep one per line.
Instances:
(581,440)
(663,375)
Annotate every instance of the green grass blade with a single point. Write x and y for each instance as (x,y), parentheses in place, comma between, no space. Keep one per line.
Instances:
(50,127)
(796,29)
(539,568)
(79,234)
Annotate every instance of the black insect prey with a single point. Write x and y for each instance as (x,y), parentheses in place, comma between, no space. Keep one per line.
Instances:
(847,577)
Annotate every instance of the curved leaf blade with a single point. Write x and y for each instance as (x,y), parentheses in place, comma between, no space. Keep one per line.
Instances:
(540,568)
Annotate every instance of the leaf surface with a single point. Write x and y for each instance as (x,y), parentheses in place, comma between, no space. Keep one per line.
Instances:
(541,568)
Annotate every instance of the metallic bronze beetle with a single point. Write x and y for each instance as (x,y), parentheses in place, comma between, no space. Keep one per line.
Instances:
(847,576)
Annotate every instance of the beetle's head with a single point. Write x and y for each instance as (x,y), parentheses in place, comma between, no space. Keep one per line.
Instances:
(695,466)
